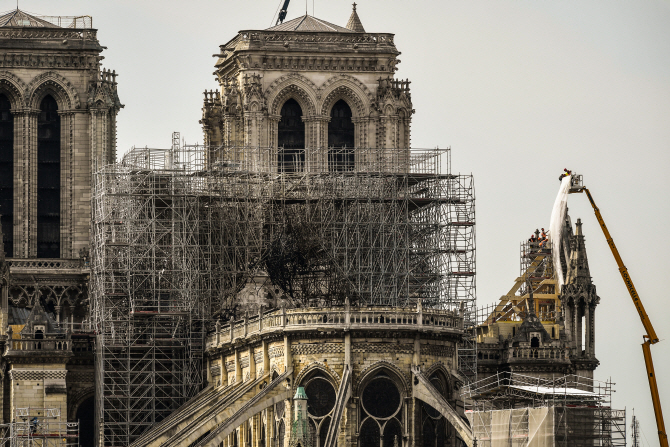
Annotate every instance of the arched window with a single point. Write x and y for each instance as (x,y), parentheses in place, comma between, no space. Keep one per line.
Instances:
(381,404)
(392,434)
(321,398)
(7,175)
(340,138)
(369,435)
(535,342)
(291,138)
(85,416)
(48,179)
(281,434)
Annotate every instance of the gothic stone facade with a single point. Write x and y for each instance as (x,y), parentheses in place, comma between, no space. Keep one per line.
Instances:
(547,344)
(58,112)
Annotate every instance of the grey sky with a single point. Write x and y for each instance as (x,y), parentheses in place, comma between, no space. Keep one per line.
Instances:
(519,90)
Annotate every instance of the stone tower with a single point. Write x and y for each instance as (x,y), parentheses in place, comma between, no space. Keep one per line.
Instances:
(58,110)
(311,90)
(361,345)
(58,121)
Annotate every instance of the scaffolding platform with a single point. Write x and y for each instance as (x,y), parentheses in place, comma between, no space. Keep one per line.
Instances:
(173,230)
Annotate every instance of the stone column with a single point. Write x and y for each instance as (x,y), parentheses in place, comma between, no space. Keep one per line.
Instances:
(578,329)
(269,158)
(238,368)
(567,318)
(577,336)
(30,182)
(288,360)
(587,331)
(252,365)
(20,185)
(266,357)
(592,331)
(224,371)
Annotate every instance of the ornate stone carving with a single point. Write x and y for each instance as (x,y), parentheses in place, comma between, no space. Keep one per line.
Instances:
(276,351)
(80,376)
(39,374)
(13,85)
(318,348)
(437,350)
(53,80)
(383,348)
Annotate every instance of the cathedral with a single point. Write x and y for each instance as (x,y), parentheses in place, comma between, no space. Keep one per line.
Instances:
(304,277)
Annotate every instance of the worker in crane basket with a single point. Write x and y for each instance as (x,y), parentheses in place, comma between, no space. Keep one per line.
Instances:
(566,172)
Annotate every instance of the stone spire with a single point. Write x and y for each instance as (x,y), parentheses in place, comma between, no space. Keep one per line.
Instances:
(578,267)
(301,435)
(354,23)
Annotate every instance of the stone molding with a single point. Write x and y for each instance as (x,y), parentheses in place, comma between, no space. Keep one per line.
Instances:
(437,350)
(382,348)
(215,370)
(67,93)
(80,376)
(317,348)
(276,351)
(57,61)
(37,374)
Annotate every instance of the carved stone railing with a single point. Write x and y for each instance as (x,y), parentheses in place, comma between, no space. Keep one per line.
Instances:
(266,37)
(294,320)
(40,344)
(44,263)
(484,354)
(542,353)
(88,34)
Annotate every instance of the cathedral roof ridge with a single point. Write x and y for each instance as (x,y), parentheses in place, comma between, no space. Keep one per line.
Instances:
(310,24)
(19,18)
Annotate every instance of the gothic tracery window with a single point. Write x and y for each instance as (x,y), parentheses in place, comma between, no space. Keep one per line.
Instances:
(48,179)
(321,398)
(291,138)
(280,431)
(341,138)
(7,175)
(381,413)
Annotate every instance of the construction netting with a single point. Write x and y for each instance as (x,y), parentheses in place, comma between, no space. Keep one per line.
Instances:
(531,427)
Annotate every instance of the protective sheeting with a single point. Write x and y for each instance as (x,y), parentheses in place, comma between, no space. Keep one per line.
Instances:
(541,427)
(556,226)
(523,427)
(556,390)
(500,428)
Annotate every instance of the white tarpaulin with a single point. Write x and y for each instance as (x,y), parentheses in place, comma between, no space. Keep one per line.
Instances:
(541,427)
(556,226)
(521,427)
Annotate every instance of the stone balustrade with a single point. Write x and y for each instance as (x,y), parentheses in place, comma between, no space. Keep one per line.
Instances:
(294,320)
(47,263)
(545,352)
(40,344)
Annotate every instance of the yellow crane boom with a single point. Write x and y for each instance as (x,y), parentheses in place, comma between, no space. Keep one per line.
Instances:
(650,338)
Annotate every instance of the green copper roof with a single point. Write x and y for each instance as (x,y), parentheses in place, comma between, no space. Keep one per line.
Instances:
(300,394)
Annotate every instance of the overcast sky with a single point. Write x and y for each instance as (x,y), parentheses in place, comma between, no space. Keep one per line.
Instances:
(518,89)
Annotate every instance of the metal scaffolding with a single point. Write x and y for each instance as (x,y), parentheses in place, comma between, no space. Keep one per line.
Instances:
(179,241)
(39,427)
(570,411)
